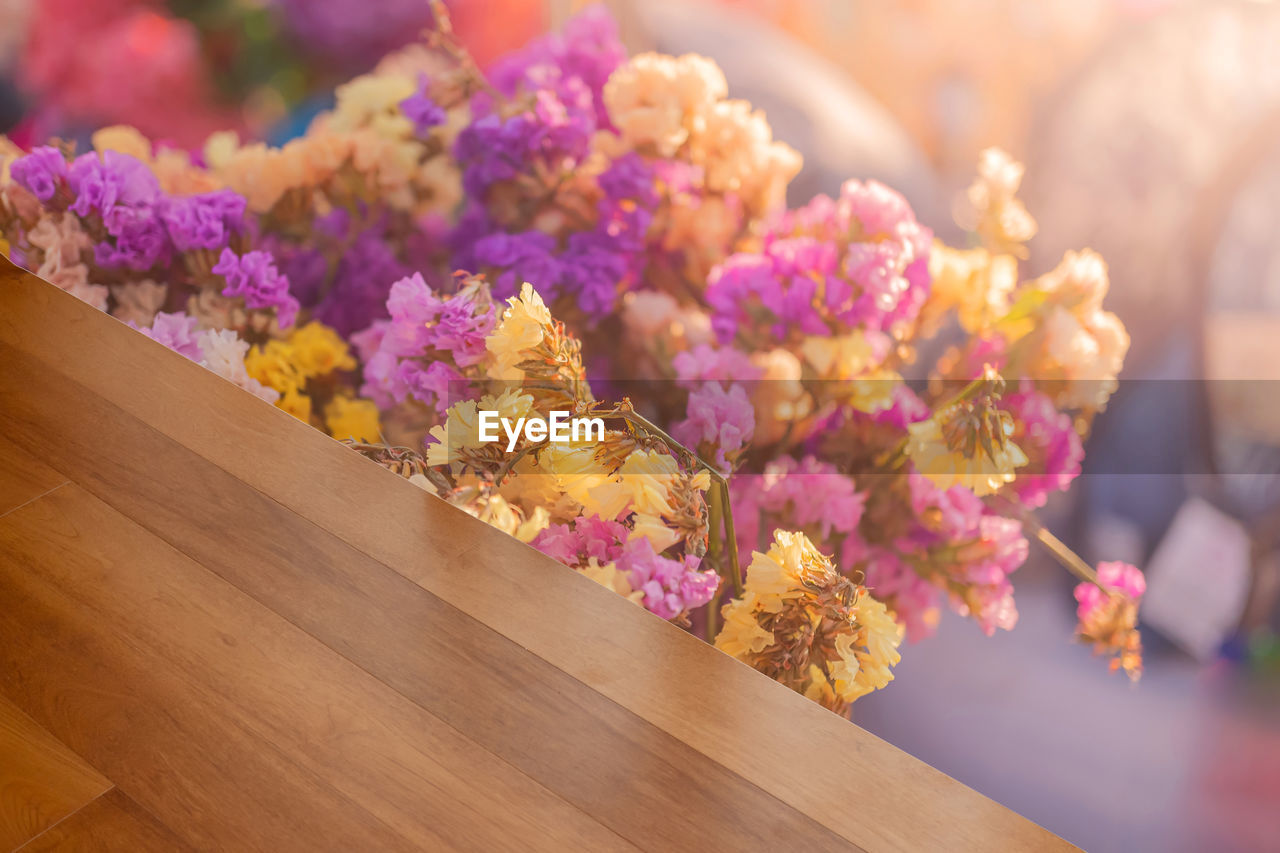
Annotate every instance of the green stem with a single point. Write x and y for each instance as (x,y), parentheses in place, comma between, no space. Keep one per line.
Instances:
(731,540)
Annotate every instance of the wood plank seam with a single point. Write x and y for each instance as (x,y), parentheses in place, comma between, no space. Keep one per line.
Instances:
(469,547)
(912,783)
(33,500)
(161,534)
(148,523)
(300,769)
(33,839)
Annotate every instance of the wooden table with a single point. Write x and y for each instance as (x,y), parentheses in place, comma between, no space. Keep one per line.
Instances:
(221,629)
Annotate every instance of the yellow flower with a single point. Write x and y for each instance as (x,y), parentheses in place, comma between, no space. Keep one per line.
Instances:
(317,350)
(647,476)
(660,536)
(495,511)
(609,577)
(781,571)
(273,366)
(741,634)
(982,473)
(461,429)
(976,283)
(850,360)
(296,403)
(366,97)
(522,328)
(584,479)
(353,418)
(125,139)
(804,624)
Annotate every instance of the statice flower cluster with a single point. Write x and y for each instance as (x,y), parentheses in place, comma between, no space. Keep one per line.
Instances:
(859,262)
(253,277)
(204,221)
(665,586)
(428,346)
(41,172)
(421,109)
(531,240)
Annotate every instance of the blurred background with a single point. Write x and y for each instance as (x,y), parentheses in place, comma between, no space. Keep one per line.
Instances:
(1151,133)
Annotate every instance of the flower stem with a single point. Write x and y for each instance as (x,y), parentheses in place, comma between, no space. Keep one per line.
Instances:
(717,498)
(1069,559)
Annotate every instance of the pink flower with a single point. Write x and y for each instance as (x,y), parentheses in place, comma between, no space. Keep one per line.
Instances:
(670,587)
(1051,443)
(1116,576)
(177,331)
(720,419)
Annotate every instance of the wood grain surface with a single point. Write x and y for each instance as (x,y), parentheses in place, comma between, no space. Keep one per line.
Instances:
(112,823)
(265,641)
(41,781)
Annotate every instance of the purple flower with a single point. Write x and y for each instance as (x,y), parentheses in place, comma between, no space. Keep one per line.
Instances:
(629,177)
(102,183)
(353,34)
(420,109)
(205,221)
(588,50)
(513,259)
(420,351)
(140,241)
(594,274)
(254,277)
(40,171)
(361,283)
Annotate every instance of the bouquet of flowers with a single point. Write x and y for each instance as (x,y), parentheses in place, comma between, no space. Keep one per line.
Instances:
(818,426)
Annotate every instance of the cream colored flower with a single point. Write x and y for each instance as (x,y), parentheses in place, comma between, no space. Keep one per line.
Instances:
(138,302)
(122,138)
(977,284)
(651,527)
(609,577)
(742,636)
(523,327)
(656,101)
(779,398)
(1001,219)
(982,473)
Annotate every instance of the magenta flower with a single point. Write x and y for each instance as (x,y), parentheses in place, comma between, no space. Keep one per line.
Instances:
(254,277)
(718,418)
(420,109)
(1049,439)
(101,183)
(205,221)
(420,352)
(40,172)
(1119,577)
(670,587)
